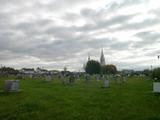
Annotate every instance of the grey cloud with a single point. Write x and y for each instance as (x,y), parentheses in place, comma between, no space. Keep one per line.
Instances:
(149,35)
(105,23)
(27,30)
(136,25)
(93,14)
(120,46)
(147,38)
(125,3)
(153,52)
(155,11)
(71,17)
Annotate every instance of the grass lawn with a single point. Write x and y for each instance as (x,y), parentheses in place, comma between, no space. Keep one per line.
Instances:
(40,100)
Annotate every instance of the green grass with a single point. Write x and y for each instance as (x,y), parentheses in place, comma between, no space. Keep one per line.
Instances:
(40,100)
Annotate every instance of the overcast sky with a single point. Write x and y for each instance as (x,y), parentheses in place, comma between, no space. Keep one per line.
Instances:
(57,33)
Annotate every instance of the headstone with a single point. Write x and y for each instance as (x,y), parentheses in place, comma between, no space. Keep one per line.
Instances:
(114,78)
(71,79)
(118,79)
(15,85)
(30,76)
(124,79)
(48,78)
(19,76)
(11,86)
(62,79)
(8,85)
(97,77)
(156,87)
(87,78)
(77,77)
(106,83)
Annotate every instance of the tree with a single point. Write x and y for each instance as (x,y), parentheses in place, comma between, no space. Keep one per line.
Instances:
(109,69)
(147,72)
(156,74)
(8,70)
(93,67)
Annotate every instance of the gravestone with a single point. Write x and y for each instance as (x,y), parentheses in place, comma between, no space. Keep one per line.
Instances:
(31,76)
(114,78)
(106,83)
(64,78)
(11,86)
(124,79)
(156,87)
(48,78)
(119,79)
(71,79)
(76,76)
(87,78)
(98,77)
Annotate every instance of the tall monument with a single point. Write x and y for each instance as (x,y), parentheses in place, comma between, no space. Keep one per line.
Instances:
(102,59)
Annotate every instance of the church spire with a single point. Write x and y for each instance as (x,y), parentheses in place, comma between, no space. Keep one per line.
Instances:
(102,59)
(89,57)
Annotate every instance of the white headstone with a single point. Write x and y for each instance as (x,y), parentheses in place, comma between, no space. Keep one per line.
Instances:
(156,87)
(106,83)
(98,77)
(15,85)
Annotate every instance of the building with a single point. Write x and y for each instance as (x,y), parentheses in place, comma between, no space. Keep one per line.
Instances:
(102,59)
(27,71)
(41,71)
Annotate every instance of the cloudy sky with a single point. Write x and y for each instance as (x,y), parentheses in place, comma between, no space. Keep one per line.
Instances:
(57,33)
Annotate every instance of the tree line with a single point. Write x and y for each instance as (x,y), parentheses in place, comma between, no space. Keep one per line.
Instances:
(94,67)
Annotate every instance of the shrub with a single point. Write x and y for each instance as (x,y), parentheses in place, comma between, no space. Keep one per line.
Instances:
(156,74)
(93,67)
(109,69)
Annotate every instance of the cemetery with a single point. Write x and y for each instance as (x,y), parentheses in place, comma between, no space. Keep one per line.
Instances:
(79,60)
(100,93)
(95,100)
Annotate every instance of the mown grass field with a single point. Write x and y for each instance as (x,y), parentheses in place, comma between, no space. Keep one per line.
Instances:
(40,100)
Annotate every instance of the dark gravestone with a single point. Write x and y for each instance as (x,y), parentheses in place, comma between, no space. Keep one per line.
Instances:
(71,80)
(8,85)
(87,78)
(11,86)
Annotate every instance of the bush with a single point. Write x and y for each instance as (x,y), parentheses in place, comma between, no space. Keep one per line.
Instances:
(109,69)
(93,67)
(147,72)
(156,74)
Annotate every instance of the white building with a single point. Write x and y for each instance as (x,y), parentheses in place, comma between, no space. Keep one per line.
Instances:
(27,71)
(41,71)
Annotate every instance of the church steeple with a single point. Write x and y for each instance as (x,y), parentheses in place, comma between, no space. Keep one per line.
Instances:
(102,59)
(89,57)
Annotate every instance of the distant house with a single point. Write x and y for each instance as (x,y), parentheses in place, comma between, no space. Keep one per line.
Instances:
(127,71)
(54,72)
(41,71)
(27,71)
